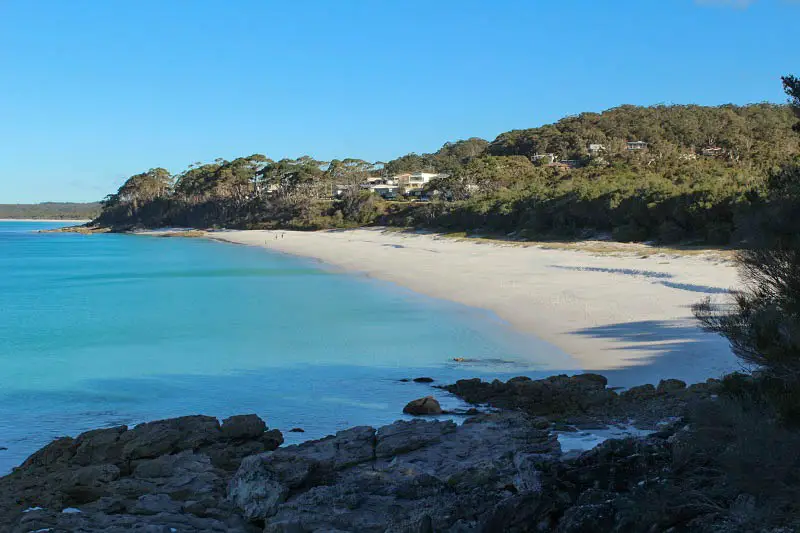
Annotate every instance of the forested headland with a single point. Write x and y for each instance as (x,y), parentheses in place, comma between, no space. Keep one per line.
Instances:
(677,173)
(52,210)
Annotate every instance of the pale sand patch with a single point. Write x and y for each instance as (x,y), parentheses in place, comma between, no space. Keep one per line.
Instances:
(625,313)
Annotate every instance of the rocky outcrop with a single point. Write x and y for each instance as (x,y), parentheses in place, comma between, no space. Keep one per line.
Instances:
(584,400)
(408,476)
(502,471)
(170,473)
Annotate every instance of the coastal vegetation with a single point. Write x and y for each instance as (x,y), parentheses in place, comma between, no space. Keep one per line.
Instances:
(667,173)
(52,210)
(729,462)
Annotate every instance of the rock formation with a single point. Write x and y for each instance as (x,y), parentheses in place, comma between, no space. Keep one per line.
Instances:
(495,472)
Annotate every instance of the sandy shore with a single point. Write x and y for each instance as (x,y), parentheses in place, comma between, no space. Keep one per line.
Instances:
(625,313)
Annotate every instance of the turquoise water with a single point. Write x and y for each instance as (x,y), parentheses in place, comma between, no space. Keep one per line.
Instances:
(115,329)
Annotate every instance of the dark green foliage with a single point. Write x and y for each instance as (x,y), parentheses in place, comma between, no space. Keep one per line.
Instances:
(762,322)
(757,134)
(669,192)
(736,469)
(51,210)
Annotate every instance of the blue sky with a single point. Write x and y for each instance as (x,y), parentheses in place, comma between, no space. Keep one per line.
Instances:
(94,91)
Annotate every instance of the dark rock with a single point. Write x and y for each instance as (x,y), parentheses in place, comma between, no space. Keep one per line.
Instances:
(169,436)
(552,396)
(666,386)
(530,511)
(540,422)
(423,380)
(403,437)
(243,427)
(100,446)
(272,439)
(58,452)
(423,406)
(151,504)
(297,430)
(596,379)
(641,392)
(120,477)
(408,476)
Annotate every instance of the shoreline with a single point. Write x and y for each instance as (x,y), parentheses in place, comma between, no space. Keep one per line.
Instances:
(68,220)
(625,312)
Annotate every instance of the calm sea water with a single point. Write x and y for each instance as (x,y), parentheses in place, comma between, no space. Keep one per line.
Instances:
(114,329)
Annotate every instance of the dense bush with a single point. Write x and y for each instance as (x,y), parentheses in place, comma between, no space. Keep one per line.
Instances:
(667,192)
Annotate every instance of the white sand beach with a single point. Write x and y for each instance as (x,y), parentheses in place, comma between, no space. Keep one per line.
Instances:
(625,313)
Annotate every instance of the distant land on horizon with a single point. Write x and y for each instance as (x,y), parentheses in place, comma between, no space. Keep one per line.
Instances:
(51,210)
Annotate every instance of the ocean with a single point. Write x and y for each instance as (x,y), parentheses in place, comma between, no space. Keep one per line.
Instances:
(103,330)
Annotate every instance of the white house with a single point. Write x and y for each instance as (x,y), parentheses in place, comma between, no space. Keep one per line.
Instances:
(595,149)
(415,180)
(636,145)
(713,151)
(548,158)
(385,190)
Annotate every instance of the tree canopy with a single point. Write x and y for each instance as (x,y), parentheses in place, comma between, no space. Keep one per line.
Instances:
(696,175)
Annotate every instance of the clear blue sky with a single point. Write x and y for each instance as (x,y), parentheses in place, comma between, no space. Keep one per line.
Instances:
(94,91)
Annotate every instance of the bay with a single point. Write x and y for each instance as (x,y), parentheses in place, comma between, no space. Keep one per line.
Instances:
(102,330)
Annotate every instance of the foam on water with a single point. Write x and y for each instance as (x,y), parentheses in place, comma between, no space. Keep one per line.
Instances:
(103,330)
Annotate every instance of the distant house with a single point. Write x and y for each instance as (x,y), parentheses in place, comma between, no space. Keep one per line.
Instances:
(712,151)
(596,149)
(415,180)
(636,145)
(548,159)
(384,190)
(570,163)
(559,165)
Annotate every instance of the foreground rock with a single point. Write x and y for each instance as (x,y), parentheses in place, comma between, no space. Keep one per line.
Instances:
(179,475)
(408,476)
(716,468)
(170,473)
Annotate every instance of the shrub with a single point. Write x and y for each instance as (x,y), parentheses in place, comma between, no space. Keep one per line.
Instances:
(629,233)
(670,232)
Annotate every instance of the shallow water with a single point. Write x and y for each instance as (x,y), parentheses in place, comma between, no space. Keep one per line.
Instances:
(104,330)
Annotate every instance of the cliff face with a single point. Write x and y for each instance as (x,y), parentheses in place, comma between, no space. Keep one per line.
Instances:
(501,471)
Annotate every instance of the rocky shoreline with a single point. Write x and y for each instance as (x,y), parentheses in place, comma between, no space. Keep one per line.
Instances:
(498,471)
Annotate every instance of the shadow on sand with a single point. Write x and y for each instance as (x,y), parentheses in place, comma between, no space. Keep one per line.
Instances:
(659,278)
(679,349)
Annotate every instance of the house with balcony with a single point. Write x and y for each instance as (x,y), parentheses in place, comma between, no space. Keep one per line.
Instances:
(415,180)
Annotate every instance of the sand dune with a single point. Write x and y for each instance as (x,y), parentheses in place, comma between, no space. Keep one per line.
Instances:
(625,313)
